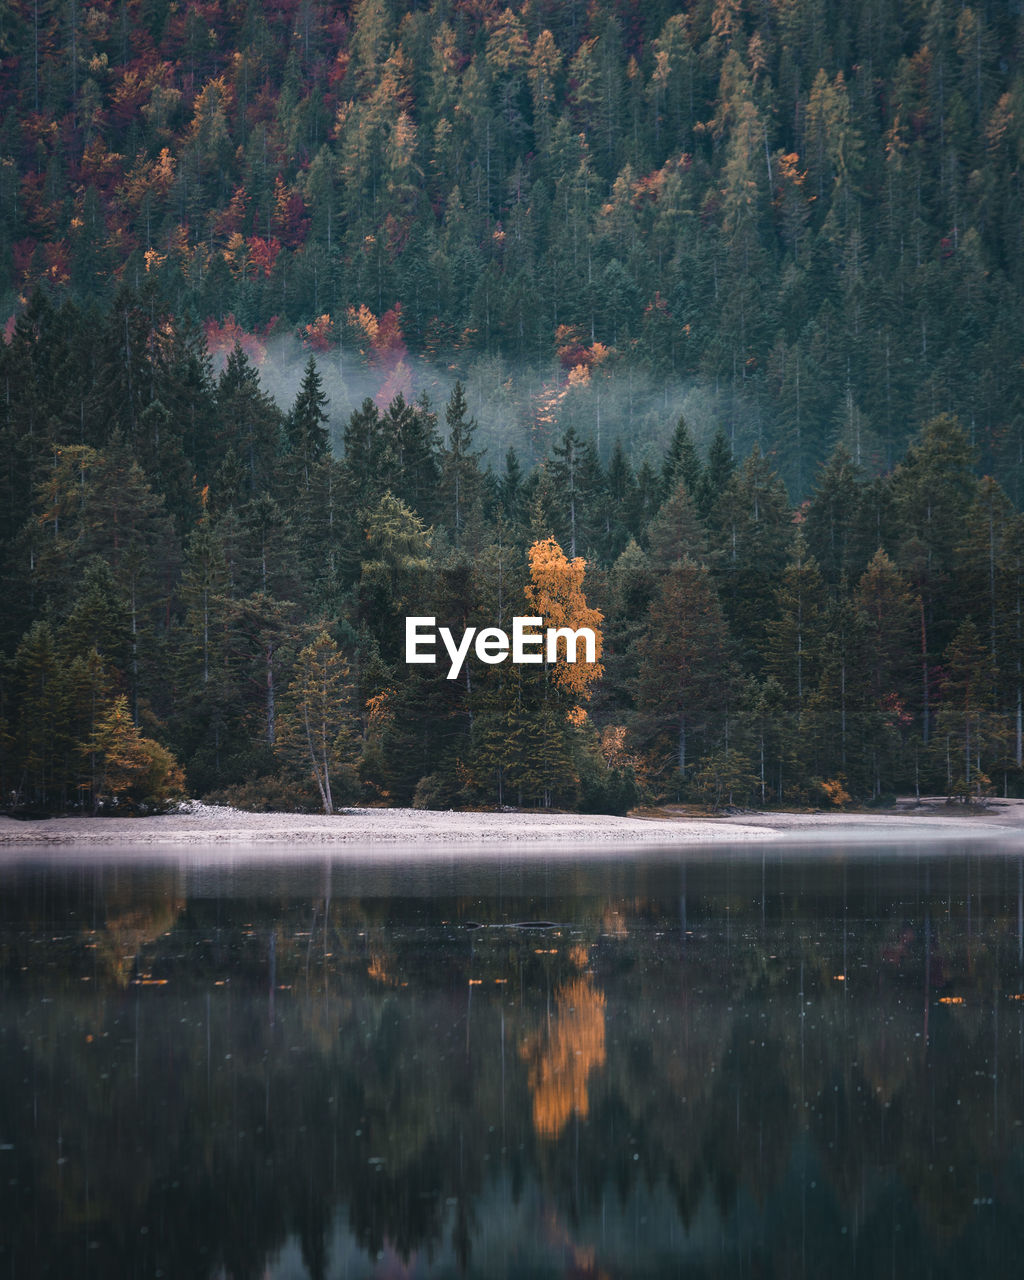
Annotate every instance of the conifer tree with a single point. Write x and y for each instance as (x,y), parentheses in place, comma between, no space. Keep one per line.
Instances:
(719,469)
(832,515)
(306,425)
(38,724)
(130,767)
(682,463)
(364,455)
(751,527)
(461,482)
(576,482)
(676,533)
(620,485)
(409,461)
(249,421)
(794,635)
(967,713)
(683,667)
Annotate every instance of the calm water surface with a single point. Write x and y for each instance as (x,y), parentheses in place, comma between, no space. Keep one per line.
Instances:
(781,1062)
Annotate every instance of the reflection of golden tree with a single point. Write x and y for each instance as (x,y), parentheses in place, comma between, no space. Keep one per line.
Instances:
(562,1055)
(129,930)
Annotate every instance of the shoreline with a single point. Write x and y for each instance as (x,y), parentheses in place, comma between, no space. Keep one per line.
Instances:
(222,826)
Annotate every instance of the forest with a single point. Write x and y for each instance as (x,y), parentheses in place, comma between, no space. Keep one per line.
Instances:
(702,322)
(200,595)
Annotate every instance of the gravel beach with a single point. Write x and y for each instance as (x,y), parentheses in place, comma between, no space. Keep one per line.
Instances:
(199,824)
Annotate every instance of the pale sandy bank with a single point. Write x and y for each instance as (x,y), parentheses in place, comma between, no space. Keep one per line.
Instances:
(209,825)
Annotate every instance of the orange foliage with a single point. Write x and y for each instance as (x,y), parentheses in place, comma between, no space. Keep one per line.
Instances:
(615,753)
(387,350)
(378,970)
(562,1055)
(362,318)
(289,220)
(319,335)
(835,790)
(555,593)
(263,253)
(221,339)
(379,713)
(99,166)
(575,353)
(548,403)
(148,178)
(58,263)
(389,345)
(234,215)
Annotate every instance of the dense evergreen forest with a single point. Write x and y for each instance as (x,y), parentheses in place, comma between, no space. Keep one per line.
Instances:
(797,219)
(192,579)
(323,315)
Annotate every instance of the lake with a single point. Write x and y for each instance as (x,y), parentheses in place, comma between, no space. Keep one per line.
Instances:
(755,1061)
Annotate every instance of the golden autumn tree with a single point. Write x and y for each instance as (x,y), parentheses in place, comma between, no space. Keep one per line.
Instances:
(555,593)
(127,767)
(540,719)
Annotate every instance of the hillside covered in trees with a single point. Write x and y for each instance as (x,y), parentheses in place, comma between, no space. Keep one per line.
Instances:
(320,316)
(194,582)
(797,219)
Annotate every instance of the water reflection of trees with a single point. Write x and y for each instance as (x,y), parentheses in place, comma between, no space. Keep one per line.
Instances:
(562,1053)
(306,1057)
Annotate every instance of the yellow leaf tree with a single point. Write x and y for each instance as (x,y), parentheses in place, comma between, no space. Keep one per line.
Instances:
(317,729)
(555,593)
(547,721)
(129,767)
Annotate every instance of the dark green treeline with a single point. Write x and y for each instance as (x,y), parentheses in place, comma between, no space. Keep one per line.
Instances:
(190,572)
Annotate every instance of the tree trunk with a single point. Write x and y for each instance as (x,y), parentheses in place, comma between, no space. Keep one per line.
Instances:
(271,716)
(925,726)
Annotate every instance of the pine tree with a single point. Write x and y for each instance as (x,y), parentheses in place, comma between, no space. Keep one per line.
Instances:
(933,488)
(249,422)
(967,714)
(839,718)
(132,769)
(364,456)
(393,572)
(576,482)
(719,469)
(631,587)
(676,532)
(461,482)
(794,635)
(510,488)
(683,668)
(682,463)
(409,460)
(620,484)
(39,718)
(831,516)
(750,538)
(306,425)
